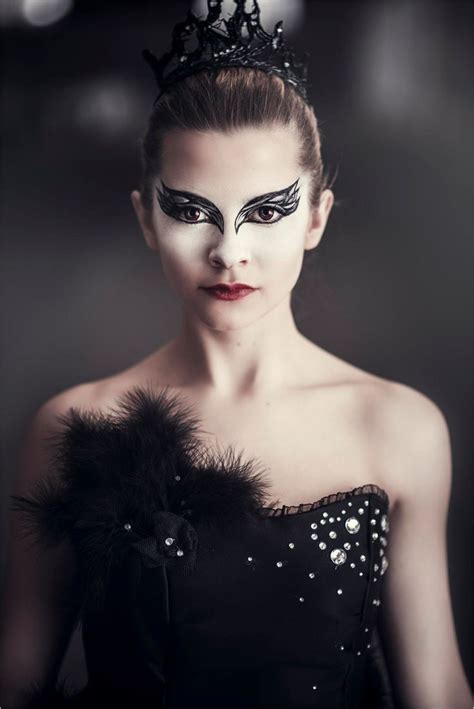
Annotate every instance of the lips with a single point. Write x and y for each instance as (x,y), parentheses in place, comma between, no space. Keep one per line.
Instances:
(230,287)
(224,291)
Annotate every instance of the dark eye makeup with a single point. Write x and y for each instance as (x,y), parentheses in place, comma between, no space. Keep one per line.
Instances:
(194,209)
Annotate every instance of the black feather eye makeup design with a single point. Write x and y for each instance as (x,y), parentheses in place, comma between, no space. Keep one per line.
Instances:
(188,207)
(282,203)
(191,208)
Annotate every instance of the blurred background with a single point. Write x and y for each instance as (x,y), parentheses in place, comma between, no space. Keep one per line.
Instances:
(389,287)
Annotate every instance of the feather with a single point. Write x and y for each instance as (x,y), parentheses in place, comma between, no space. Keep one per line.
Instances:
(131,480)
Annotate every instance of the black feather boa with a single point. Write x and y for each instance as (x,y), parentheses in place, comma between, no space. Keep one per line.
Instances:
(136,480)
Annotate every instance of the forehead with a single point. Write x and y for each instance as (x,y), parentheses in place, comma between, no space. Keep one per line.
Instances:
(234,166)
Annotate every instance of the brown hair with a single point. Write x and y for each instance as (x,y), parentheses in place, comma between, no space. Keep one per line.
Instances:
(227,99)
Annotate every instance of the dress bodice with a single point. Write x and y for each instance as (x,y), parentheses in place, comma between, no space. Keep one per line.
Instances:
(196,594)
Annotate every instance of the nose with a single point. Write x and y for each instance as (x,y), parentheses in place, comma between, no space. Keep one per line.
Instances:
(229,250)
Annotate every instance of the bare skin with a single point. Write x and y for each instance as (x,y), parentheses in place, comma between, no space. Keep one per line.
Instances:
(318,424)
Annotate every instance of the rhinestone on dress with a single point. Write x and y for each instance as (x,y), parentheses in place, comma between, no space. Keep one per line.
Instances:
(291,545)
(360,510)
(314,535)
(375,535)
(384,523)
(362,557)
(377,511)
(347,545)
(339,591)
(352,565)
(332,534)
(180,552)
(169,541)
(325,514)
(383,542)
(373,521)
(301,599)
(279,564)
(315,686)
(384,565)
(177,477)
(311,574)
(352,525)
(127,526)
(250,558)
(366,503)
(322,545)
(338,556)
(314,525)
(322,521)
(331,519)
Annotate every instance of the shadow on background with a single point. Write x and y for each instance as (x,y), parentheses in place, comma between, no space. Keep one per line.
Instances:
(389,288)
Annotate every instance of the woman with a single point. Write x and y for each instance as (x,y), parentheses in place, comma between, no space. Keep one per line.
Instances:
(200,579)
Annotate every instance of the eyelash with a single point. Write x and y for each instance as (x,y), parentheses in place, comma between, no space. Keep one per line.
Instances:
(180,210)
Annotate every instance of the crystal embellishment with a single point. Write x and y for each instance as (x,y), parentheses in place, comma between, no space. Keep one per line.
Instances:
(352,525)
(338,556)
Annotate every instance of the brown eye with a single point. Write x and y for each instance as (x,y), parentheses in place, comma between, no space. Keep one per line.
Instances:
(267,214)
(191,214)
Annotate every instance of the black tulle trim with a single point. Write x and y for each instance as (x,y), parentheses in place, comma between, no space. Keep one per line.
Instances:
(367,489)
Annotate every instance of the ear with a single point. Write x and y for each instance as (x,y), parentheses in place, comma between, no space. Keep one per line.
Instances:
(145,219)
(318,220)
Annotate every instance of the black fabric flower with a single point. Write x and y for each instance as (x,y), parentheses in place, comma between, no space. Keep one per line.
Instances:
(174,541)
(129,481)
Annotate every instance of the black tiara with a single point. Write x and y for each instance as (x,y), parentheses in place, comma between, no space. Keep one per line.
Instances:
(199,45)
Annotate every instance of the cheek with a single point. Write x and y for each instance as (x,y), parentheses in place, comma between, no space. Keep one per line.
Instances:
(280,249)
(181,254)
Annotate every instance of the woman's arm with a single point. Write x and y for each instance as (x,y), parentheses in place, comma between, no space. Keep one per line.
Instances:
(35,625)
(416,622)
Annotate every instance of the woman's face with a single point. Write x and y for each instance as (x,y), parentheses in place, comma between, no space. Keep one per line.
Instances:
(232,207)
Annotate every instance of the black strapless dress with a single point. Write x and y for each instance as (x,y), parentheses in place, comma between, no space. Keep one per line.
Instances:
(192,592)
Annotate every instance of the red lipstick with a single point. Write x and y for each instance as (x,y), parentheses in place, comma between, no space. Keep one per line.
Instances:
(226,291)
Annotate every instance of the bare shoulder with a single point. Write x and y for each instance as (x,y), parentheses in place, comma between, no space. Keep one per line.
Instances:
(406,431)
(412,439)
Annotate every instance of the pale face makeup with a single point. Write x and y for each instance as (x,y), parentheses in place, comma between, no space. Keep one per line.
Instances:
(232,208)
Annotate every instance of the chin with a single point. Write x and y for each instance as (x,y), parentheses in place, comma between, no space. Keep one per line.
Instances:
(227,321)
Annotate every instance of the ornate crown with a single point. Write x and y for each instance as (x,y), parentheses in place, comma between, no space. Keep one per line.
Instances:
(199,45)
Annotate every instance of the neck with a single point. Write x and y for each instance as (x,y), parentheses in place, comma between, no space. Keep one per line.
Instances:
(250,360)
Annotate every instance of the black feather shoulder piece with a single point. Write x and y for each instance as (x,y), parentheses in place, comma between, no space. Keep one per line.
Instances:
(137,480)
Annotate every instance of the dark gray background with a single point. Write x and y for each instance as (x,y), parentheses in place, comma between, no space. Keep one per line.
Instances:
(389,288)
